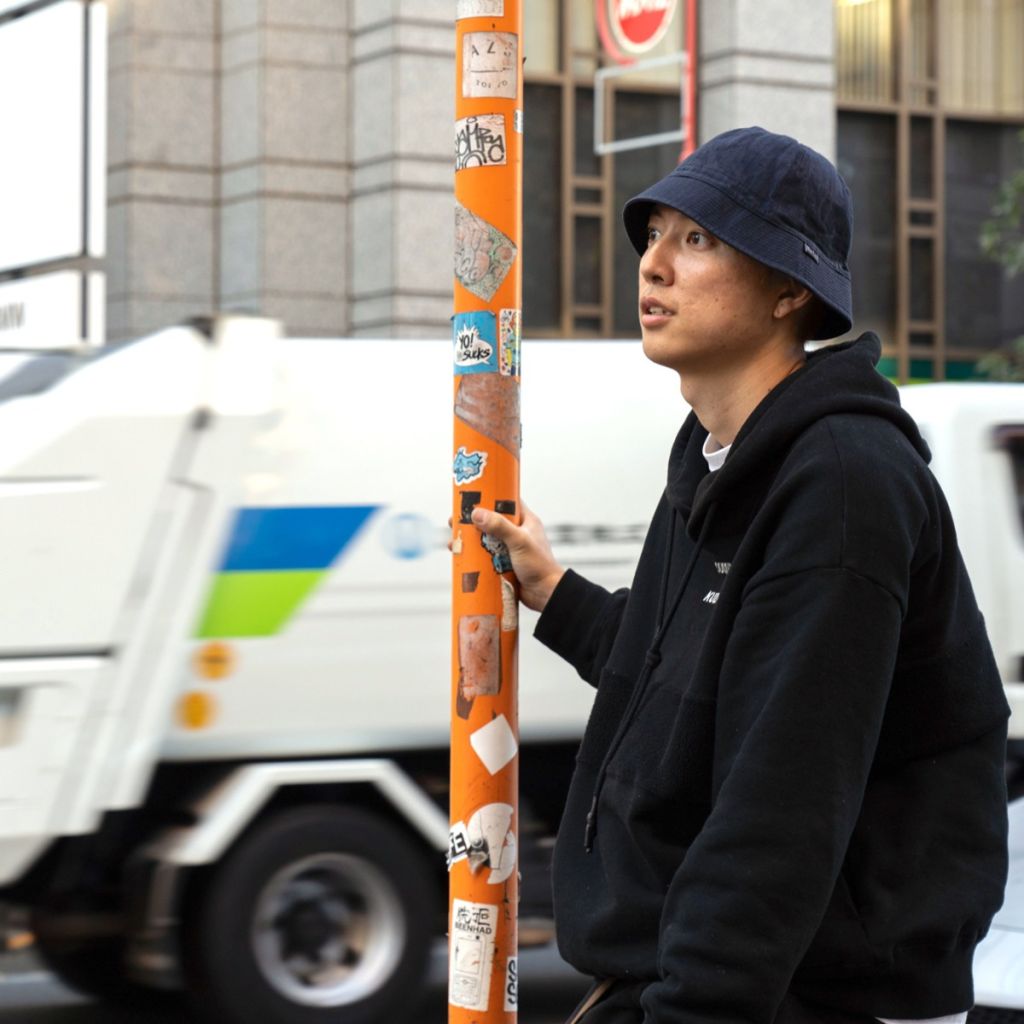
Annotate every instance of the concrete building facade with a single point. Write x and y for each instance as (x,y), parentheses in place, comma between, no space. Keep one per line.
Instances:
(294,157)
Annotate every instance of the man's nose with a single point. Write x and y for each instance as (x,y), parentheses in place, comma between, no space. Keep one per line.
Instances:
(654,265)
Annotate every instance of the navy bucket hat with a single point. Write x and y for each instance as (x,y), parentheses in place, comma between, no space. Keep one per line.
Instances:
(772,198)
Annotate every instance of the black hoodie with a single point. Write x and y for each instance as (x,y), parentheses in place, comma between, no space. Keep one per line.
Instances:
(795,784)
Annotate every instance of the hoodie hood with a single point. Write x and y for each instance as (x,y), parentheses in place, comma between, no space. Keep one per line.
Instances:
(839,379)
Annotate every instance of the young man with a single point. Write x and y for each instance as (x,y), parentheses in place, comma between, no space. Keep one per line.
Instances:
(789,802)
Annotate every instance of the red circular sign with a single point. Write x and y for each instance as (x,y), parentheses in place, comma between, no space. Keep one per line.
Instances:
(638,25)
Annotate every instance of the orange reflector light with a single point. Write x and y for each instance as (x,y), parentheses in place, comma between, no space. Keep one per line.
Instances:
(196,710)
(214,661)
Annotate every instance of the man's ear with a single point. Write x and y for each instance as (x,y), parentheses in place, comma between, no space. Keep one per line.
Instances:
(791,297)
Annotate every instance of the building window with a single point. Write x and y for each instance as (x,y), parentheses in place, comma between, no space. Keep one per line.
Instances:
(934,89)
(984,308)
(866,156)
(579,270)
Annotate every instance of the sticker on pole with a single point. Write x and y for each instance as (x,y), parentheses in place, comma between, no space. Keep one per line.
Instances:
(489,403)
(509,335)
(483,254)
(639,25)
(489,64)
(479,9)
(495,744)
(480,141)
(468,466)
(485,841)
(476,342)
(472,954)
(512,984)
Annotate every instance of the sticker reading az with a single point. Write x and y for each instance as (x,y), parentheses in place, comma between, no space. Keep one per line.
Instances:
(480,141)
(472,944)
(479,9)
(483,254)
(489,64)
(476,346)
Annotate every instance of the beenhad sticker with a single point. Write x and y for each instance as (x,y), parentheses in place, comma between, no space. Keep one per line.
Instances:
(487,840)
(495,744)
(509,332)
(472,954)
(479,9)
(468,466)
(480,141)
(483,254)
(512,984)
(489,64)
(475,342)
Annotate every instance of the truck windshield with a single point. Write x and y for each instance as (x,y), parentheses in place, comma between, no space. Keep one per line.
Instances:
(22,374)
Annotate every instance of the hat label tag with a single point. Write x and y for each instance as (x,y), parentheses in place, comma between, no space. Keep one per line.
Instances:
(810,252)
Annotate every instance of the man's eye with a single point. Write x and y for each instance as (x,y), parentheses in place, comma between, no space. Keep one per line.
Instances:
(652,235)
(696,237)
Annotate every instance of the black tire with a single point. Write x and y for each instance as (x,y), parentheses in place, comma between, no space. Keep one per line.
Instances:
(320,915)
(92,965)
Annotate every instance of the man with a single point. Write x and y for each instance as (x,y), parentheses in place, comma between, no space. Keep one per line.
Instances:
(788,804)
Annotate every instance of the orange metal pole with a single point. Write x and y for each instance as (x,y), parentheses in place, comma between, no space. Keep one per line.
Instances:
(483,860)
(690,121)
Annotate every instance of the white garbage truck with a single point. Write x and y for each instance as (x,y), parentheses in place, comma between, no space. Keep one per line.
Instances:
(225,643)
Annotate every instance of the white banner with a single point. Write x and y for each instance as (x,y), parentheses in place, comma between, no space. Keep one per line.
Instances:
(54,148)
(63,310)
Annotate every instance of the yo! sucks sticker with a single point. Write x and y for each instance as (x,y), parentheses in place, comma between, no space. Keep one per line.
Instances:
(476,343)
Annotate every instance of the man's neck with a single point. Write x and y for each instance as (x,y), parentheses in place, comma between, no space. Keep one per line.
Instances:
(723,401)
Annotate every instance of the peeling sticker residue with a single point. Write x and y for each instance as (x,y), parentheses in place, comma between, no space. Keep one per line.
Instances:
(472,945)
(480,141)
(470,581)
(483,254)
(489,64)
(489,403)
(469,501)
(505,507)
(509,606)
(479,660)
(457,543)
(495,744)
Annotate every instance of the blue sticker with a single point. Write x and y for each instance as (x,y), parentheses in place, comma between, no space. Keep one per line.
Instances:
(476,343)
(498,550)
(469,466)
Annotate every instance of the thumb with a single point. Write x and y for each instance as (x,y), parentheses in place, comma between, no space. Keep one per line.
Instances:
(493,523)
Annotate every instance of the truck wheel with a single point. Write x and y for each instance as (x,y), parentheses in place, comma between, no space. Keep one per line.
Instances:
(321,915)
(92,965)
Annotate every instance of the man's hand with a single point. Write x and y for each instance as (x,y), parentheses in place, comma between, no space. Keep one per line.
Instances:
(528,547)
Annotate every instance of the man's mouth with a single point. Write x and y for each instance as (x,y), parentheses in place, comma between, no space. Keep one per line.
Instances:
(650,307)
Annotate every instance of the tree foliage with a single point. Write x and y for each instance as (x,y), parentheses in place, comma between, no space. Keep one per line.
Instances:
(1002,240)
